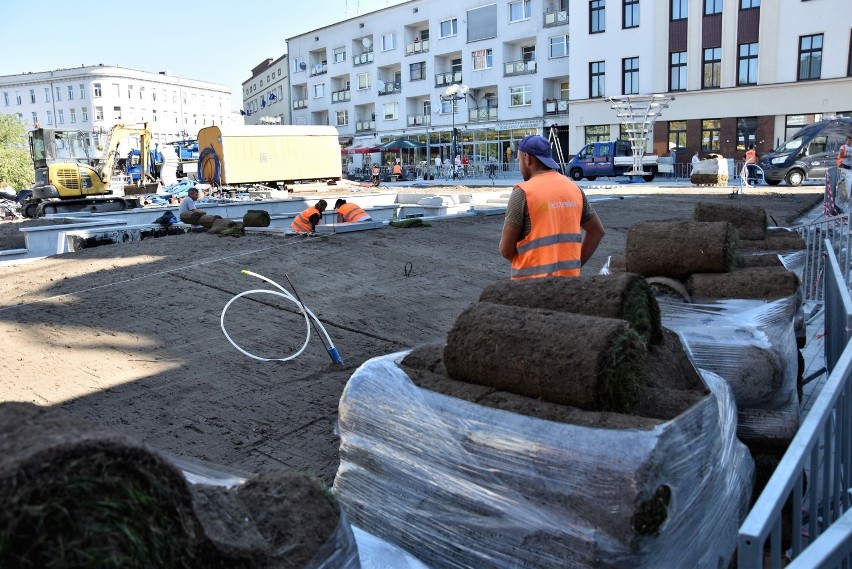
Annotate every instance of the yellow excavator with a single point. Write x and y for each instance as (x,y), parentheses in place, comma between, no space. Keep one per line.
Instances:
(69,179)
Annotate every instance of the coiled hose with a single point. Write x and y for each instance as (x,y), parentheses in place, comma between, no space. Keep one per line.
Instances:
(332,351)
(204,158)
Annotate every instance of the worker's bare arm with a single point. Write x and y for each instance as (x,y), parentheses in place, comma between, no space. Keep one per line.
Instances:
(509,240)
(594,233)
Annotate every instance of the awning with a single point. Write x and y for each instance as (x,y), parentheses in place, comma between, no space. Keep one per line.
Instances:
(344,140)
(359,150)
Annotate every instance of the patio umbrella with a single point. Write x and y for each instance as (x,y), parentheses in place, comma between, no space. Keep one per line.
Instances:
(358,150)
(400,144)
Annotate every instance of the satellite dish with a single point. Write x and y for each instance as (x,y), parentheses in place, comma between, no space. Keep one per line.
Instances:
(302,65)
(381,85)
(366,43)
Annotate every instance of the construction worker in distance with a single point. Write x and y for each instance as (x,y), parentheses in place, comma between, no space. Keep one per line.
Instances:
(307,221)
(544,217)
(750,161)
(375,174)
(397,170)
(844,171)
(349,212)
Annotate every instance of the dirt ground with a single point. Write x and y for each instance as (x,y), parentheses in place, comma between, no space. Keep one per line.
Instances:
(129,335)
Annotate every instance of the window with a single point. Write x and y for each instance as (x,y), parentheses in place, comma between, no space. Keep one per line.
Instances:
(417,71)
(342,118)
(6,98)
(319,90)
(679,9)
(520,10)
(712,67)
(630,76)
(710,129)
(597,16)
(58,93)
(339,55)
(449,28)
(597,133)
(99,113)
(559,46)
(810,57)
(746,4)
(747,64)
(70,92)
(363,81)
(482,59)
(72,115)
(47,94)
(82,91)
(746,132)
(391,111)
(60,116)
(630,14)
(84,114)
(96,88)
(677,135)
(528,53)
(18,97)
(388,42)
(116,111)
(142,92)
(712,7)
(520,96)
(597,76)
(129,91)
(32,96)
(35,119)
(49,117)
(677,71)
(564,91)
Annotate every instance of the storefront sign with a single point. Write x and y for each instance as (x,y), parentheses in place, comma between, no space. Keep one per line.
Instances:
(511,125)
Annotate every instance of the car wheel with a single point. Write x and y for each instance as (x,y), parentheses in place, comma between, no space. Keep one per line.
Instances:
(773,182)
(794,178)
(576,174)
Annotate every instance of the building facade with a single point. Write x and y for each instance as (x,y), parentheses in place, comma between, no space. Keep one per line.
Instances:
(741,72)
(93,99)
(266,95)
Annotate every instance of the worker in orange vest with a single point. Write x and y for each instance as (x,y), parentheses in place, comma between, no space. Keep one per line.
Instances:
(544,217)
(309,218)
(350,212)
(844,171)
(750,161)
(397,169)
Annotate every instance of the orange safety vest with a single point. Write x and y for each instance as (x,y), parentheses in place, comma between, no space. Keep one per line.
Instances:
(302,223)
(552,248)
(750,157)
(397,170)
(351,212)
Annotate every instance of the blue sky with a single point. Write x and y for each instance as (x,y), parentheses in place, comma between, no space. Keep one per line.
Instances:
(213,40)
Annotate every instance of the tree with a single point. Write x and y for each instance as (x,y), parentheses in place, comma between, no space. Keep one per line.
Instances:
(16,166)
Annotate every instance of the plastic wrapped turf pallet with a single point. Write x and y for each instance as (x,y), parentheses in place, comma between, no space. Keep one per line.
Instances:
(462,485)
(751,344)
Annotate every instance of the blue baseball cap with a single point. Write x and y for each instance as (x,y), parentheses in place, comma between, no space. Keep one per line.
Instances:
(538,146)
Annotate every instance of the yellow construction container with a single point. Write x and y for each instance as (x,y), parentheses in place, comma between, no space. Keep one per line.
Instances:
(268,153)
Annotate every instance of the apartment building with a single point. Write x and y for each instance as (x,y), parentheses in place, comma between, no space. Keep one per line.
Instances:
(740,71)
(93,99)
(266,94)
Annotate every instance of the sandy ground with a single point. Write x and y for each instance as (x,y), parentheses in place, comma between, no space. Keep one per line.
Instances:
(129,335)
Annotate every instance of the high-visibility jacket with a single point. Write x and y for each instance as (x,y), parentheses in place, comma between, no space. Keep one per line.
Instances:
(397,170)
(750,156)
(302,222)
(552,248)
(352,212)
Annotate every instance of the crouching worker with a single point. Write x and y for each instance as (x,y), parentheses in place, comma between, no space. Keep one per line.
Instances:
(307,221)
(349,212)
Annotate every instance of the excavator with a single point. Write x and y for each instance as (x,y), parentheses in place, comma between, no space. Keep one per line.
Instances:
(69,179)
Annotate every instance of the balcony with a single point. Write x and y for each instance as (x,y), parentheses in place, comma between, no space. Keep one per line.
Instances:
(482,115)
(449,78)
(365,126)
(300,104)
(341,96)
(419,120)
(556,106)
(417,47)
(559,18)
(363,59)
(389,88)
(319,69)
(518,68)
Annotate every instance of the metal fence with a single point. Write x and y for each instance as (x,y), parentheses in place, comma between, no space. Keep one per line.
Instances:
(807,493)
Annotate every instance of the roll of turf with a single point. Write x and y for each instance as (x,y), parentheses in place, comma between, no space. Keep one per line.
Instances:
(256,218)
(676,249)
(750,221)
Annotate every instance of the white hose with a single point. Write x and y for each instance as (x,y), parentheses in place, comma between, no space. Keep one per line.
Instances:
(285,294)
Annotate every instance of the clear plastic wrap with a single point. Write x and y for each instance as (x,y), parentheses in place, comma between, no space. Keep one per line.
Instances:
(462,485)
(752,345)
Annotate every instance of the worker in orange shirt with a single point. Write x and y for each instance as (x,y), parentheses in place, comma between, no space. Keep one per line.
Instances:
(750,160)
(309,218)
(349,212)
(397,170)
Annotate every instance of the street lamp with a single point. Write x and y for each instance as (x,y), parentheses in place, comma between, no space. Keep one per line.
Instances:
(455,92)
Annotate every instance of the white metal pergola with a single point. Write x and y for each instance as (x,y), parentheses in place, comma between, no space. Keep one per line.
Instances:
(638,114)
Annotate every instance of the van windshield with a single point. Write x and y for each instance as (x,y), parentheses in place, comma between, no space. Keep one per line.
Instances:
(793,144)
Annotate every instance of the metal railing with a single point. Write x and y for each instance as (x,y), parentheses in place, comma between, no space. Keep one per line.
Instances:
(555,18)
(821,453)
(520,67)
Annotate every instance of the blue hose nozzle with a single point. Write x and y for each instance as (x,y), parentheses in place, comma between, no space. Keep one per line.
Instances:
(335,357)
